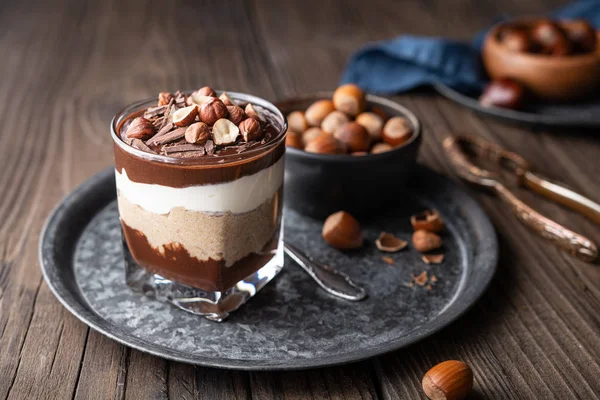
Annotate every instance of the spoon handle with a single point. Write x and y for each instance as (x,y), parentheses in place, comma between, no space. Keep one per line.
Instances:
(333,281)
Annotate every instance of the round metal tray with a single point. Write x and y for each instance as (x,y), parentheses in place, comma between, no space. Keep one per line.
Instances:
(291,323)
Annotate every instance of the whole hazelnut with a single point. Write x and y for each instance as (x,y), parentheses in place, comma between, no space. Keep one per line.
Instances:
(354,135)
(325,144)
(380,148)
(251,129)
(317,111)
(449,380)
(297,122)
(581,34)
(333,121)
(504,93)
(350,99)
(397,130)
(310,134)
(359,153)
(342,231)
(207,91)
(212,110)
(197,133)
(224,132)
(373,123)
(235,114)
(425,241)
(164,98)
(185,116)
(551,39)
(140,128)
(294,139)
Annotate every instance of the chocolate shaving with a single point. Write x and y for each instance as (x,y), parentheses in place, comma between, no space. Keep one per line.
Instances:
(183,147)
(188,154)
(155,111)
(158,122)
(138,144)
(209,147)
(167,137)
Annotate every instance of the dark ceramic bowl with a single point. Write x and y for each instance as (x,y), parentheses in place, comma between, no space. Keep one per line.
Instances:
(320,184)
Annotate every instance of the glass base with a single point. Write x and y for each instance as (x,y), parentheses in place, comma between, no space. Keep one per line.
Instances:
(215,306)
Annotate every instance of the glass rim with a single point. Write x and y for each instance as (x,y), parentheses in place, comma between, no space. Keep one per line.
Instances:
(128,110)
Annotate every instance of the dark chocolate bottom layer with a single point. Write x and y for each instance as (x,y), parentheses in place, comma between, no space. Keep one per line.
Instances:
(174,262)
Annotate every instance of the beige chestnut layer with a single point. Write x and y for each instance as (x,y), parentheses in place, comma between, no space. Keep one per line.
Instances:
(220,236)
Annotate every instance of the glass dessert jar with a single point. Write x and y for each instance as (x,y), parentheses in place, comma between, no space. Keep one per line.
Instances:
(201,221)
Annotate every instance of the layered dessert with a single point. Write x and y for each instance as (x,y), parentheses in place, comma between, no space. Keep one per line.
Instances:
(199,185)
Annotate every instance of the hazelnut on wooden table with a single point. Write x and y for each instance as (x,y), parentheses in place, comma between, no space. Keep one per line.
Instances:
(342,231)
(449,380)
(316,112)
(350,99)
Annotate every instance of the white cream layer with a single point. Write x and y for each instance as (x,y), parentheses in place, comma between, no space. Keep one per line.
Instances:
(238,196)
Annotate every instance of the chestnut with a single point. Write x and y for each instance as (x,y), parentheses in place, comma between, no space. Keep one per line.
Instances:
(505,93)
(551,39)
(582,35)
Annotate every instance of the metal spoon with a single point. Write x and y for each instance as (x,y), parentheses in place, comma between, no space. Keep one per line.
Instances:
(333,281)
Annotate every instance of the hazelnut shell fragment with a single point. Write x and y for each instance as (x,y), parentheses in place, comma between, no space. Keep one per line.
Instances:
(140,128)
(425,241)
(349,99)
(449,380)
(389,243)
(342,231)
(354,135)
(432,258)
(429,220)
(317,111)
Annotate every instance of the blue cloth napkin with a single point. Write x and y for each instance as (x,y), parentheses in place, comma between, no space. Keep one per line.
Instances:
(406,62)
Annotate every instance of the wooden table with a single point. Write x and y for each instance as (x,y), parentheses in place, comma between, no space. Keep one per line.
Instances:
(68,66)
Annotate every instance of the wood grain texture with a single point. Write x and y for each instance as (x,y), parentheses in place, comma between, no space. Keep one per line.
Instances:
(69,66)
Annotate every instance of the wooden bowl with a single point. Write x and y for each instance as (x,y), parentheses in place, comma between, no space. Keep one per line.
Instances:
(550,78)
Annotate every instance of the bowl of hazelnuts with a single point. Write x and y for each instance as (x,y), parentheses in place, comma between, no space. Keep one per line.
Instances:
(548,60)
(347,150)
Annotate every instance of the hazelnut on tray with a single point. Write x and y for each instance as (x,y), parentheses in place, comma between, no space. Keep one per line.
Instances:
(358,127)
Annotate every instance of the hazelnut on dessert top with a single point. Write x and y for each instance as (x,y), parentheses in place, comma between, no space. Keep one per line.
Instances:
(198,125)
